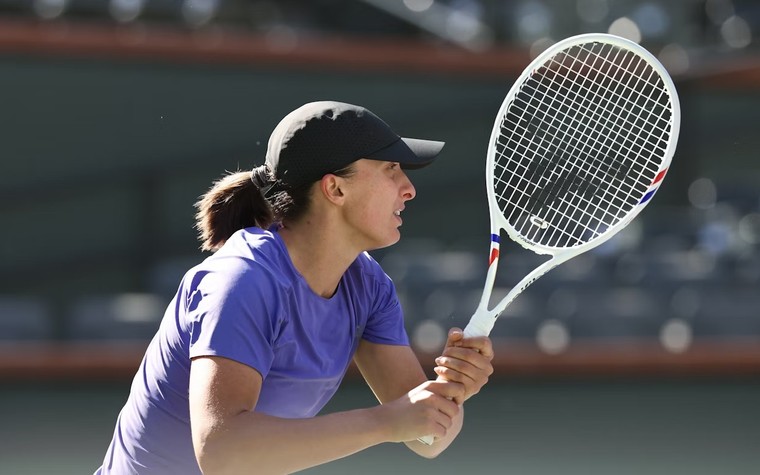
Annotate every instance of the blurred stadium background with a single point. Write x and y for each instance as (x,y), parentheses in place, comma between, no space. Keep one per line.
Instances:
(641,357)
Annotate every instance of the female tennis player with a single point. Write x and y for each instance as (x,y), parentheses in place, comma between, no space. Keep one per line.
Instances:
(260,335)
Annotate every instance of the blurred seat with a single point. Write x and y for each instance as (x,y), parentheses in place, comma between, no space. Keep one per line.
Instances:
(727,312)
(129,316)
(617,312)
(24,318)
(521,318)
(165,276)
(746,269)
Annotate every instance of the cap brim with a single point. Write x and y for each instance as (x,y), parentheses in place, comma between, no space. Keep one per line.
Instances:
(410,153)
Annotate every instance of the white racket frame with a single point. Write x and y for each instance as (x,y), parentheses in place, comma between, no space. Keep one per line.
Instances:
(483,319)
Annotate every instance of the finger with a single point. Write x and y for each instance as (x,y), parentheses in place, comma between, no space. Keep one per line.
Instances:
(481,344)
(472,374)
(471,386)
(455,336)
(448,408)
(456,377)
(458,368)
(461,359)
(440,422)
(445,399)
(447,390)
(472,381)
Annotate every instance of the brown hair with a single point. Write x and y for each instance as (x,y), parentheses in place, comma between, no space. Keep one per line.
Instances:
(234,202)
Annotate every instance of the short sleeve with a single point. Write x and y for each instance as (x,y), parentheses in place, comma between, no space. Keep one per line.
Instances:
(231,315)
(385,322)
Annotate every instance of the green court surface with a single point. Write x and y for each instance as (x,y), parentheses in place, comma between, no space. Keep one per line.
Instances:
(525,427)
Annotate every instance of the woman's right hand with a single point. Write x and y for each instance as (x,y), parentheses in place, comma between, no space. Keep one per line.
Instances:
(426,410)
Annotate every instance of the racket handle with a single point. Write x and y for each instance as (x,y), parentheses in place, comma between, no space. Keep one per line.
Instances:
(477,327)
(480,324)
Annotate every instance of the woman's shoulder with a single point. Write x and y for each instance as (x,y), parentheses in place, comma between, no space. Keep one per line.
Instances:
(249,255)
(367,268)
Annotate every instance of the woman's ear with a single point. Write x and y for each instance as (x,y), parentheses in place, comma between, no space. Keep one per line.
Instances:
(330,185)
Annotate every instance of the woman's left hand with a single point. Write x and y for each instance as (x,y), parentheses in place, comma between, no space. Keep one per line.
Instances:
(466,361)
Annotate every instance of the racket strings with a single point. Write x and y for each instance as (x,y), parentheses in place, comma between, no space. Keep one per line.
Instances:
(578,141)
(615,207)
(645,133)
(587,136)
(584,105)
(554,117)
(590,113)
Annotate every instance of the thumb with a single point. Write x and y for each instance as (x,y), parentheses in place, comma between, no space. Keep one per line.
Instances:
(455,335)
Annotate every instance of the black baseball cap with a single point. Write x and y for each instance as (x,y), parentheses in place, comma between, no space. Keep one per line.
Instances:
(322,137)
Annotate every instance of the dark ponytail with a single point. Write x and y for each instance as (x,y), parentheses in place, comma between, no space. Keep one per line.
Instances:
(234,202)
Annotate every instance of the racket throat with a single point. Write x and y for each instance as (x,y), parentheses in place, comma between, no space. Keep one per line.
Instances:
(483,320)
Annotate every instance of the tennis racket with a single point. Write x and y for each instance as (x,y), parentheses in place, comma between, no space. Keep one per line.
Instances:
(580,145)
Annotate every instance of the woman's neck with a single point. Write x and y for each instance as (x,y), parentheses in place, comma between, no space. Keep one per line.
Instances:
(318,254)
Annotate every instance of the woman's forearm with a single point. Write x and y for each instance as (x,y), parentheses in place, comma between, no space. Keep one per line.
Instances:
(257,443)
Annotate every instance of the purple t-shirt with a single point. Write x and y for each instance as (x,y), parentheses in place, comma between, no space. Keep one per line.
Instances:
(248,303)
